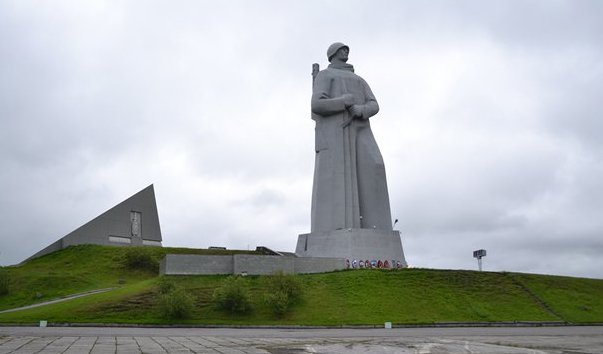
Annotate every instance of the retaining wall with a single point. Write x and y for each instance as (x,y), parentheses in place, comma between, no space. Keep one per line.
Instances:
(188,264)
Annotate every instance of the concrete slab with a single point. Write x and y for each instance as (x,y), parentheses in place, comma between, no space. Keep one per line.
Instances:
(534,340)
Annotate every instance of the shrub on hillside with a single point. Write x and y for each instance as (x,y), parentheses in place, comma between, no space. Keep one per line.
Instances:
(288,284)
(277,302)
(232,296)
(176,304)
(165,286)
(140,258)
(4,281)
(284,290)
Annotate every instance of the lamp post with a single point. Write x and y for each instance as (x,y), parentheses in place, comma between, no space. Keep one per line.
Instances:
(479,254)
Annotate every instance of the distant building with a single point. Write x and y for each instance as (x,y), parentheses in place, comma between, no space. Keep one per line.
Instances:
(134,222)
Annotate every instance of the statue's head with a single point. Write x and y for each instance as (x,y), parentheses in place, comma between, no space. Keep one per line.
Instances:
(334,48)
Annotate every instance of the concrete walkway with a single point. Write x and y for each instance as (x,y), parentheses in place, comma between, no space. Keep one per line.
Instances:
(549,340)
(66,298)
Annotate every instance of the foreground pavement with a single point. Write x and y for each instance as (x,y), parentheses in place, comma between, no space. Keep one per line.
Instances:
(507,340)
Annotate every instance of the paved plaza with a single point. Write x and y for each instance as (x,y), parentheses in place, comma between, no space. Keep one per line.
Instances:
(71,340)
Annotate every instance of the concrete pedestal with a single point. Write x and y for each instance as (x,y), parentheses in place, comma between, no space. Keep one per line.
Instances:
(354,245)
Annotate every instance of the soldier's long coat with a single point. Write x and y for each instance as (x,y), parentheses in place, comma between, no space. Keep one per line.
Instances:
(350,188)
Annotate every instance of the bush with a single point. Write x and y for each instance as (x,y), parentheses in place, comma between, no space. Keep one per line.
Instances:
(176,304)
(284,290)
(165,286)
(4,281)
(232,296)
(288,284)
(278,303)
(140,258)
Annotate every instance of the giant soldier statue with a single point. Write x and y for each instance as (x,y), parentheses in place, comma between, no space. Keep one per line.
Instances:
(350,215)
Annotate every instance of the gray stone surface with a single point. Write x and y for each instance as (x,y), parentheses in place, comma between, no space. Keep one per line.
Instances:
(354,244)
(134,221)
(179,264)
(307,265)
(563,340)
(189,264)
(350,200)
(350,187)
(262,265)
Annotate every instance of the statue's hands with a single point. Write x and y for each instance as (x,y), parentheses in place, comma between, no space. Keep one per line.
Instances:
(356,111)
(348,99)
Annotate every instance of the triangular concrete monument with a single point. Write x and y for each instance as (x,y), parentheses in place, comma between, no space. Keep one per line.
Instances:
(134,221)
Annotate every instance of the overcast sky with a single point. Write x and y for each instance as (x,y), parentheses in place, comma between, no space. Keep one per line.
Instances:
(491,122)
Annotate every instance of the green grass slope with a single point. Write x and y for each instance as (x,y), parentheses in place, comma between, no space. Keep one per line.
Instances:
(354,297)
(81,268)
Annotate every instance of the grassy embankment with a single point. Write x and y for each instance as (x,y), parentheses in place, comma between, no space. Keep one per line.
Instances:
(410,296)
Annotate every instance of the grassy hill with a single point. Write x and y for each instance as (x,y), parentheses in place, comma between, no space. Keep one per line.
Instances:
(353,297)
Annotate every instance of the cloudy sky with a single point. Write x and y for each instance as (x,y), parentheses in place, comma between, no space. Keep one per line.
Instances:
(491,122)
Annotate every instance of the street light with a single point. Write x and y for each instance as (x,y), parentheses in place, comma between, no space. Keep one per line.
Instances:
(479,254)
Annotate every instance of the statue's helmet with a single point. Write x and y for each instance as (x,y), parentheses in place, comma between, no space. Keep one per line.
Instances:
(333,48)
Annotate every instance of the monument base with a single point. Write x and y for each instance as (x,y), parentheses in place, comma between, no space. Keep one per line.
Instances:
(357,246)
